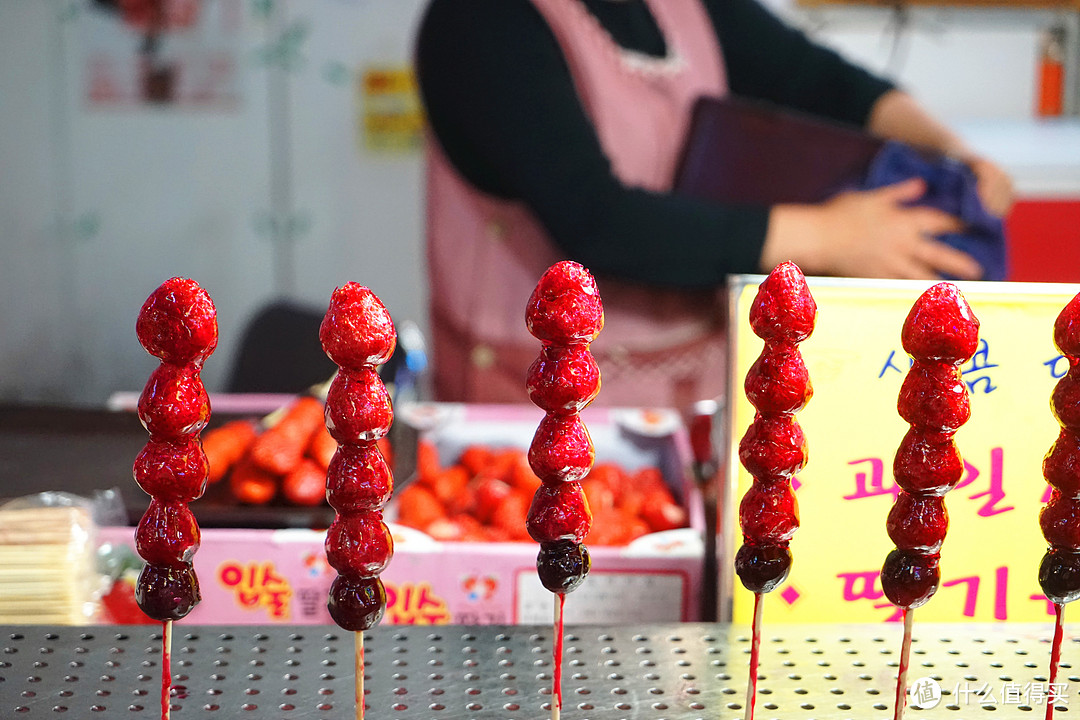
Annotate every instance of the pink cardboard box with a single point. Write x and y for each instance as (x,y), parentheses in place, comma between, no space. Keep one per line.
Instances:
(269,576)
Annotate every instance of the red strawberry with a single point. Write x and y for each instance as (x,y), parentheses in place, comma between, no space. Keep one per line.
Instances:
(783,310)
(357,331)
(941,326)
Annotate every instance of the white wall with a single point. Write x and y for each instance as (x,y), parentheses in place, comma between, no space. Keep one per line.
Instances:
(97,206)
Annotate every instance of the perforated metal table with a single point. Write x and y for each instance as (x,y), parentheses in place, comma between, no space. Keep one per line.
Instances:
(647,672)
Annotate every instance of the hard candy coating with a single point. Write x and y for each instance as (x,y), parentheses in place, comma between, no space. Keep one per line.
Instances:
(356,604)
(1061,466)
(910,578)
(1059,575)
(565,307)
(174,404)
(933,396)
(178,323)
(769,513)
(1065,400)
(561,449)
(1060,521)
(778,381)
(359,544)
(559,511)
(172,469)
(761,568)
(783,309)
(918,523)
(563,380)
(1067,329)
(562,565)
(167,593)
(357,331)
(927,462)
(940,326)
(358,407)
(773,447)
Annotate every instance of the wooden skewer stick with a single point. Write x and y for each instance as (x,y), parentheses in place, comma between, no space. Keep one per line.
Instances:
(1055,657)
(166,670)
(557,655)
(358,641)
(901,675)
(755,647)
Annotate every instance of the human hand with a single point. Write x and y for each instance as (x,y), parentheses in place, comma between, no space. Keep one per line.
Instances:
(993,184)
(872,233)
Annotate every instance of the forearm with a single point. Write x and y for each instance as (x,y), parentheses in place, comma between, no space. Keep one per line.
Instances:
(897,116)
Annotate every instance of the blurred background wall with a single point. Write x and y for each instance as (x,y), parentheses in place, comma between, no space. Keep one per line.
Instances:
(269,149)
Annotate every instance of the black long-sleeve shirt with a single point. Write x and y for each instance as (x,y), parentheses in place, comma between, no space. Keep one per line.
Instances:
(502,104)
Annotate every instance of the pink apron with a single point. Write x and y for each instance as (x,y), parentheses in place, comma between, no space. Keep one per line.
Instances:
(485,254)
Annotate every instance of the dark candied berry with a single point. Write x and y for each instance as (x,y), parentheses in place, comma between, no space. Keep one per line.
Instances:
(559,511)
(561,449)
(565,307)
(769,513)
(356,604)
(1060,521)
(1065,401)
(778,381)
(167,534)
(172,470)
(174,404)
(357,330)
(927,462)
(934,397)
(783,309)
(562,565)
(359,544)
(941,326)
(1061,466)
(1067,328)
(167,593)
(358,407)
(773,448)
(909,579)
(563,380)
(1059,575)
(762,567)
(178,323)
(358,478)
(918,522)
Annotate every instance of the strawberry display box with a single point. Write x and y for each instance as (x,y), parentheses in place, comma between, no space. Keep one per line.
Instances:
(264,576)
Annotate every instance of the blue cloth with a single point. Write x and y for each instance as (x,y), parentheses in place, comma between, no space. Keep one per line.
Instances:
(950,187)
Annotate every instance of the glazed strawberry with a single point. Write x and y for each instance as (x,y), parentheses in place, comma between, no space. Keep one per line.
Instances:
(941,327)
(1065,401)
(357,332)
(563,379)
(172,470)
(174,404)
(783,310)
(778,381)
(927,463)
(1061,466)
(773,448)
(940,333)
(358,407)
(1060,521)
(559,512)
(178,323)
(565,308)
(561,449)
(358,478)
(167,534)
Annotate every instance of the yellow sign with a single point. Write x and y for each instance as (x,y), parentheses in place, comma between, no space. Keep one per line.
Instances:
(392,116)
(991,555)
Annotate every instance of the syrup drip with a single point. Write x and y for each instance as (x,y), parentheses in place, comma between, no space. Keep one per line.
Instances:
(901,675)
(166,670)
(557,656)
(755,648)
(1055,655)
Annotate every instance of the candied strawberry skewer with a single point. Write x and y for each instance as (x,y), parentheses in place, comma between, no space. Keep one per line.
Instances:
(1059,572)
(940,334)
(565,313)
(358,335)
(178,325)
(773,448)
